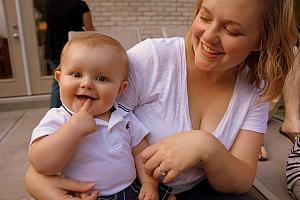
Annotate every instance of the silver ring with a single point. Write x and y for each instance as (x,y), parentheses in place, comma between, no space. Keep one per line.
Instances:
(163,173)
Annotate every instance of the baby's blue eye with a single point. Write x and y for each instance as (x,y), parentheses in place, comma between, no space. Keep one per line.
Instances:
(102,78)
(76,74)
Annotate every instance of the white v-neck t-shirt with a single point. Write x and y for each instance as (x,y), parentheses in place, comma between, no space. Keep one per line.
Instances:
(158,95)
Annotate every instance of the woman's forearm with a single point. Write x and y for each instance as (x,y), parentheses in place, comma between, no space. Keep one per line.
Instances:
(54,187)
(226,173)
(35,182)
(234,171)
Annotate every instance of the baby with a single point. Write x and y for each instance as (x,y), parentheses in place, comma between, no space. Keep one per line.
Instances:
(91,137)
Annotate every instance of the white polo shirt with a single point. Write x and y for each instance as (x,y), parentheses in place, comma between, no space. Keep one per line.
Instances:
(104,157)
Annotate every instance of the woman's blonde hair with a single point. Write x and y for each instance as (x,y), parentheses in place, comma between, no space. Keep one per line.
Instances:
(94,39)
(270,65)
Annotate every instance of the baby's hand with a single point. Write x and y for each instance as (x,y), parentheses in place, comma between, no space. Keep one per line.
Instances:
(148,192)
(83,121)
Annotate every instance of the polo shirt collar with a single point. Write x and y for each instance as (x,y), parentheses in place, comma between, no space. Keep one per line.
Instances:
(117,115)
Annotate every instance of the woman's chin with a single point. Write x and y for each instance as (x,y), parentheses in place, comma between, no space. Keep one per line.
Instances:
(204,65)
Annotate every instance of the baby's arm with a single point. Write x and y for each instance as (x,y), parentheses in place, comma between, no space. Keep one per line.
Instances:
(149,184)
(49,154)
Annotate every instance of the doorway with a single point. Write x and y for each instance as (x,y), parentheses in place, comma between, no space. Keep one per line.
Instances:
(23,70)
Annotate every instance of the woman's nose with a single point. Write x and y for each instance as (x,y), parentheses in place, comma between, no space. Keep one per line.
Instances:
(211,34)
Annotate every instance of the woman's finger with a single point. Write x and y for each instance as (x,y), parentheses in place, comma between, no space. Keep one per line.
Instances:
(152,163)
(156,173)
(90,195)
(69,197)
(160,172)
(148,152)
(94,195)
(171,175)
(164,174)
(75,186)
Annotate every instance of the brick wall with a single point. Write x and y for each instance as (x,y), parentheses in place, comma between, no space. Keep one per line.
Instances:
(147,15)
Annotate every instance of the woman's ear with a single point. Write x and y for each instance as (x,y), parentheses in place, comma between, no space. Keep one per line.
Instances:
(123,87)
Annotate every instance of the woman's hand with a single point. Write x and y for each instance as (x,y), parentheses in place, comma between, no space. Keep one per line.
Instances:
(227,171)
(57,188)
(174,154)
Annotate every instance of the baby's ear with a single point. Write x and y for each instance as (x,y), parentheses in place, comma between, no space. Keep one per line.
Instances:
(123,87)
(57,75)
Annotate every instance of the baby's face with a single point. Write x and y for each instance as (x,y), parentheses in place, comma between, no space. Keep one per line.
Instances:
(91,73)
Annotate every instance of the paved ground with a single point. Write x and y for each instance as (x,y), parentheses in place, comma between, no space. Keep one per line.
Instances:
(270,178)
(15,131)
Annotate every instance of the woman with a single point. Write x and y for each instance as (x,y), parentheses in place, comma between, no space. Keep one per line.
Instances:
(211,90)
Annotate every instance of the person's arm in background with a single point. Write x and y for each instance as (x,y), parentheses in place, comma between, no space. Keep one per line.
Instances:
(291,97)
(88,22)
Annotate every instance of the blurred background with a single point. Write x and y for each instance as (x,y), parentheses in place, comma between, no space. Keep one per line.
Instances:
(25,76)
(23,69)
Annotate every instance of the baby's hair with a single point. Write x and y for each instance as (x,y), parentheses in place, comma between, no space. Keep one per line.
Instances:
(94,40)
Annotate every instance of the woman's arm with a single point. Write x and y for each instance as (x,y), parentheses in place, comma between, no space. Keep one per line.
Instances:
(228,172)
(55,187)
(87,21)
(234,171)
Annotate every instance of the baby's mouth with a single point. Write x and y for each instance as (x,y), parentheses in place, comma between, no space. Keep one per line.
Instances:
(84,97)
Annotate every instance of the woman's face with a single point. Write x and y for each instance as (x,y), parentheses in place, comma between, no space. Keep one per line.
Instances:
(225,32)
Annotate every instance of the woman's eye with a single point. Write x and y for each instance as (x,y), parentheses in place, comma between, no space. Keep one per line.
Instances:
(232,33)
(102,78)
(204,18)
(76,74)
